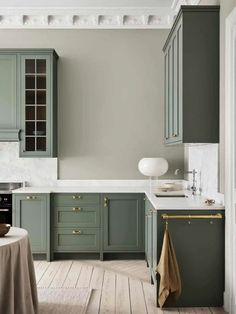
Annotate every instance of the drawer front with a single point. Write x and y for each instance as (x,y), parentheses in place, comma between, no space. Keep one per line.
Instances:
(77,216)
(76,240)
(76,198)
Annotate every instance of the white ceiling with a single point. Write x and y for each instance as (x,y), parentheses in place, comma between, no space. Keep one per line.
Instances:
(89,14)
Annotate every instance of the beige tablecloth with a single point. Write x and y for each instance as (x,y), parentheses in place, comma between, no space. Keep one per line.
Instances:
(18,291)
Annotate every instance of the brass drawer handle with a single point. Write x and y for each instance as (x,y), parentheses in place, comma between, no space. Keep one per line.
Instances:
(106,200)
(77,197)
(76,209)
(77,232)
(31,197)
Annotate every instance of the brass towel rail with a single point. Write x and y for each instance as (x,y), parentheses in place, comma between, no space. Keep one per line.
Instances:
(216,216)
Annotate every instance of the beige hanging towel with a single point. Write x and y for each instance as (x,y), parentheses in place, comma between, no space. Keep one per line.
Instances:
(170,282)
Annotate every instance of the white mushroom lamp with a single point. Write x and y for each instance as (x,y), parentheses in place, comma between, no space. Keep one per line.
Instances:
(153,167)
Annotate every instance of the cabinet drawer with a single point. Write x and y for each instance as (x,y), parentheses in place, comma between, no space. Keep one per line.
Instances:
(77,216)
(76,240)
(75,198)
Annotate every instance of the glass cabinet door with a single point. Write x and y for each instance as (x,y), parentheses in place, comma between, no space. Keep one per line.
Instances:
(35,103)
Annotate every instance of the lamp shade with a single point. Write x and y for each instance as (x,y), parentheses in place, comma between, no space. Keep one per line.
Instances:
(153,167)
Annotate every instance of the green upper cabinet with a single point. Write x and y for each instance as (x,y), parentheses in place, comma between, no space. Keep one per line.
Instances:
(38,102)
(9,130)
(28,100)
(191,60)
(123,221)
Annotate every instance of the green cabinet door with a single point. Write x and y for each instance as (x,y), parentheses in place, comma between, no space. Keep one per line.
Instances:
(173,87)
(191,60)
(32,212)
(199,249)
(123,222)
(38,115)
(8,98)
(148,232)
(154,245)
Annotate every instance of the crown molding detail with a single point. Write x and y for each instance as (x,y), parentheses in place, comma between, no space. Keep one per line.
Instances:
(91,17)
(86,18)
(177,3)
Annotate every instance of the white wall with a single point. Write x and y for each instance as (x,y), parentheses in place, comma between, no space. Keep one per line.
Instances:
(111,99)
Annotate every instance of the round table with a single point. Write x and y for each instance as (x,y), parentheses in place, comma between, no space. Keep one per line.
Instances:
(18,290)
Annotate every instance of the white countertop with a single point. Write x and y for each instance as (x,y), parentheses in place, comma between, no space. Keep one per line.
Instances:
(159,203)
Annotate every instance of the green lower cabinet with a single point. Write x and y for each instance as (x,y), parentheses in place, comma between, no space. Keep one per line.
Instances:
(77,240)
(154,246)
(32,212)
(148,232)
(82,216)
(76,222)
(199,248)
(123,222)
(76,199)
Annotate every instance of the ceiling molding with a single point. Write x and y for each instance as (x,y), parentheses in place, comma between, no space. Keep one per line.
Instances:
(175,6)
(91,17)
(86,18)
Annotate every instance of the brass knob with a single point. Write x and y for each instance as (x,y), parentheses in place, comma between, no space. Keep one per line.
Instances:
(77,232)
(76,209)
(31,197)
(76,197)
(174,135)
(106,200)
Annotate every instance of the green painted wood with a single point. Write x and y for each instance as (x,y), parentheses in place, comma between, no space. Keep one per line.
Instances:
(51,103)
(167,135)
(149,210)
(12,83)
(9,135)
(67,199)
(154,245)
(123,219)
(87,240)
(83,216)
(199,248)
(192,77)
(8,98)
(32,212)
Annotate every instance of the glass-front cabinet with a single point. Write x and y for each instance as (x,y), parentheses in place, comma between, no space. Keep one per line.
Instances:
(38,104)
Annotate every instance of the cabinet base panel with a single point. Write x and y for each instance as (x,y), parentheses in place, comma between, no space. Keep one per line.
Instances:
(123,256)
(76,256)
(39,256)
(100,256)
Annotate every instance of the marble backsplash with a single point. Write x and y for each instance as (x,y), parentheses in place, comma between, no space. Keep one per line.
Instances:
(36,171)
(204,158)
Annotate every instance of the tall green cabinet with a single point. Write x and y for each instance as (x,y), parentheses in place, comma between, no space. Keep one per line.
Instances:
(9,129)
(38,102)
(191,61)
(28,100)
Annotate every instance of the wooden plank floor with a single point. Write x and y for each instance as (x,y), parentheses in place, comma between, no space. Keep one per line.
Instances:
(117,286)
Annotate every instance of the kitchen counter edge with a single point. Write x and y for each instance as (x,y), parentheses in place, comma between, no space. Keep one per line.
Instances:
(159,203)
